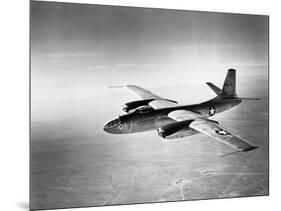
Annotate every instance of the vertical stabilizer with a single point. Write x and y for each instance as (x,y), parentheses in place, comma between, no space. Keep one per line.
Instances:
(229,86)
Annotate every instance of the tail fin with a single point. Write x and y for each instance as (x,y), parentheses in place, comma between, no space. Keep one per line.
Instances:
(229,86)
(228,91)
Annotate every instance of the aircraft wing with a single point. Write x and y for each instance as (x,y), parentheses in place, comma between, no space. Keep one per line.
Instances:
(142,93)
(158,101)
(212,129)
(217,132)
(182,115)
(162,103)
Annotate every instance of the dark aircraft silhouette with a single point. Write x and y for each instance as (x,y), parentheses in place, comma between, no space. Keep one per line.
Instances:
(172,120)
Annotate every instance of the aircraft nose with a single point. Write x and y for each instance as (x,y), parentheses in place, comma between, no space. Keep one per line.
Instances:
(112,126)
(106,128)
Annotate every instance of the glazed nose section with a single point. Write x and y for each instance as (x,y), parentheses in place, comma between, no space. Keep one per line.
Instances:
(113,126)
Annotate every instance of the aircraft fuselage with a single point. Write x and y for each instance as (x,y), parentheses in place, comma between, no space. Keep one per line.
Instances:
(139,122)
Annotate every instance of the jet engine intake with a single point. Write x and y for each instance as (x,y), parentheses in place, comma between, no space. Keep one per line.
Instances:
(131,106)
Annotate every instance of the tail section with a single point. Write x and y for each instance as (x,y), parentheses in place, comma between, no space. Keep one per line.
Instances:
(228,91)
(216,89)
(229,86)
(248,98)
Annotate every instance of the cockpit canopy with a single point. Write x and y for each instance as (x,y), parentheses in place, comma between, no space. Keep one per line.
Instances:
(144,109)
(132,106)
(136,112)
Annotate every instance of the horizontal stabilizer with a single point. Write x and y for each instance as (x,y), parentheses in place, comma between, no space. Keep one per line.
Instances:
(239,98)
(116,86)
(248,98)
(216,89)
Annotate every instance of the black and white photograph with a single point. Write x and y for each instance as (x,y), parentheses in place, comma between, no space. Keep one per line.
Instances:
(133,105)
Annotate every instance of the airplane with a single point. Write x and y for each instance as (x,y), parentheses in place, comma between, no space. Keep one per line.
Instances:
(172,120)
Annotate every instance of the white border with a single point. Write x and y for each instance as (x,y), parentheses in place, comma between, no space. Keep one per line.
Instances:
(15,112)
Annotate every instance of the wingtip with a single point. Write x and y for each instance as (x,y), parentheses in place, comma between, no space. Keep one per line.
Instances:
(250,148)
(119,86)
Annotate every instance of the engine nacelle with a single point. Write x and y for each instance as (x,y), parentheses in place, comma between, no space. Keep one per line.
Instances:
(128,107)
(131,106)
(168,131)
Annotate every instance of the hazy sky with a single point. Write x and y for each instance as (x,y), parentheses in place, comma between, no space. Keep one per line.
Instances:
(77,50)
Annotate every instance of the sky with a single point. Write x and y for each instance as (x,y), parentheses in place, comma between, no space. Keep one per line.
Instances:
(78,50)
